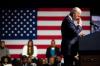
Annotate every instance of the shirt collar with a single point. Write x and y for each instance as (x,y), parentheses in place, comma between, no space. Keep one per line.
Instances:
(70,17)
(73,20)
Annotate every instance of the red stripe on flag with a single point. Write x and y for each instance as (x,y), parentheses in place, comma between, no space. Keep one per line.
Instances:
(58,18)
(86,18)
(86,27)
(14,46)
(60,9)
(49,37)
(46,46)
(41,56)
(57,27)
(48,28)
(19,56)
(21,46)
(50,18)
(15,55)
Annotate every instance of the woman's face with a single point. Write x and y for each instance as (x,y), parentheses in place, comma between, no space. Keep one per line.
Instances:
(30,43)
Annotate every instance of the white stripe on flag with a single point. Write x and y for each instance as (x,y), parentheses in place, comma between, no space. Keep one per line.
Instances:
(50,32)
(58,23)
(86,32)
(60,13)
(19,51)
(56,32)
(36,42)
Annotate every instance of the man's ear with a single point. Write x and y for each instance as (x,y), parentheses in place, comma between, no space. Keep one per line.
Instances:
(73,16)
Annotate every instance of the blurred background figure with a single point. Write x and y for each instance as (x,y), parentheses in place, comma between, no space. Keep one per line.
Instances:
(52,61)
(24,61)
(6,61)
(16,62)
(59,61)
(39,63)
(52,50)
(30,50)
(44,62)
(31,62)
(3,50)
(1,63)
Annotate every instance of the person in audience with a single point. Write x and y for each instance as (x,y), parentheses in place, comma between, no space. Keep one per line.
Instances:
(6,61)
(44,62)
(52,61)
(31,62)
(1,63)
(39,63)
(30,50)
(52,50)
(3,50)
(16,62)
(24,61)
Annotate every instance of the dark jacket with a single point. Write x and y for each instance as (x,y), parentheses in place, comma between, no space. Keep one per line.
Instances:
(57,52)
(69,31)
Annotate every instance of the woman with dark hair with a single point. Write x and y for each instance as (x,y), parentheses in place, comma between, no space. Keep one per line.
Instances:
(30,50)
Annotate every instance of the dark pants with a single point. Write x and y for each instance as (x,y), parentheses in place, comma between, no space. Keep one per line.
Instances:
(68,60)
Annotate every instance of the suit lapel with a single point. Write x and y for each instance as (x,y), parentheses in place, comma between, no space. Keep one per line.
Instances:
(72,22)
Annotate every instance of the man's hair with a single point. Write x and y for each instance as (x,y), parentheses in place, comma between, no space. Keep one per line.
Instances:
(2,42)
(74,10)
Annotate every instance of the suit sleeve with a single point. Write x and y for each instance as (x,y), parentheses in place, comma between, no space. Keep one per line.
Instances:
(58,52)
(79,29)
(75,30)
(69,30)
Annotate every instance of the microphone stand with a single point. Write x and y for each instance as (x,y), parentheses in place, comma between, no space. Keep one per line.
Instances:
(95,27)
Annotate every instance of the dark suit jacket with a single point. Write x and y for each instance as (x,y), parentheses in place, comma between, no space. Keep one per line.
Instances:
(57,52)
(69,32)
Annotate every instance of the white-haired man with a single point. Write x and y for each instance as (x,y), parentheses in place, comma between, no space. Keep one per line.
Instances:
(71,30)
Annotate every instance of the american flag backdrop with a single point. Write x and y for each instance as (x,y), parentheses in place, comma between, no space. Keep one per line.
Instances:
(42,25)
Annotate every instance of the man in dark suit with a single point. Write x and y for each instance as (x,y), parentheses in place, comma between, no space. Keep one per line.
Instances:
(52,51)
(71,30)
